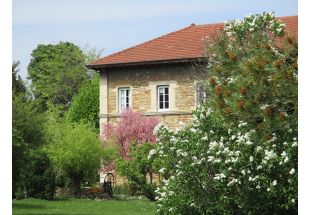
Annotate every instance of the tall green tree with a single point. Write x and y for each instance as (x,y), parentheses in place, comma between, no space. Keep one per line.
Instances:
(57,72)
(31,169)
(18,85)
(85,105)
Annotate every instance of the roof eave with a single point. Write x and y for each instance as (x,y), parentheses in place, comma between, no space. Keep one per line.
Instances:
(142,63)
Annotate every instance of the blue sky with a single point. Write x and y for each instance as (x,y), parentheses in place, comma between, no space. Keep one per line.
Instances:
(115,25)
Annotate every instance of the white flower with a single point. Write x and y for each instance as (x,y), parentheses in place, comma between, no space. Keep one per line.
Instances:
(257,186)
(293,200)
(274,183)
(193,204)
(292,171)
(184,154)
(243,172)
(193,130)
(286,160)
(283,154)
(158,127)
(205,138)
(270,154)
(213,144)
(268,189)
(162,170)
(219,176)
(251,159)
(210,158)
(294,144)
(151,153)
(170,209)
(201,160)
(259,167)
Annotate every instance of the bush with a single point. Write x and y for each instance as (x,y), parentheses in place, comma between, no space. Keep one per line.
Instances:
(134,135)
(40,177)
(76,150)
(137,169)
(132,126)
(239,154)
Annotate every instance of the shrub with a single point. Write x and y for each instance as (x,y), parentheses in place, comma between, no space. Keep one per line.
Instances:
(134,135)
(137,169)
(40,177)
(76,150)
(239,154)
(132,126)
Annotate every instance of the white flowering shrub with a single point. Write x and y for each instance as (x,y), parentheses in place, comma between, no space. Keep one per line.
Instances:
(214,168)
(239,153)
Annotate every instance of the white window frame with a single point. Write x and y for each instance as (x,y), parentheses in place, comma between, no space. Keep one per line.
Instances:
(127,103)
(164,101)
(200,91)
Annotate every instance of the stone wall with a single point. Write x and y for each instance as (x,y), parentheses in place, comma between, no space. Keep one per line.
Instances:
(143,84)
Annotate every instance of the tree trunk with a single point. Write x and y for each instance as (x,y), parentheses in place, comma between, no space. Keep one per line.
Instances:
(76,183)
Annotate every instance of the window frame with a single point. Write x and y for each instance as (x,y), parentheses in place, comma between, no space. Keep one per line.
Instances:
(164,99)
(200,90)
(127,103)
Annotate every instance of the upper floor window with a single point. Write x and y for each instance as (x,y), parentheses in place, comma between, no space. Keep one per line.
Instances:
(123,99)
(163,97)
(201,94)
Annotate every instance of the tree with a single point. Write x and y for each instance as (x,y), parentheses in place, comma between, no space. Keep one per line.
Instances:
(239,154)
(76,150)
(56,73)
(132,127)
(18,85)
(85,105)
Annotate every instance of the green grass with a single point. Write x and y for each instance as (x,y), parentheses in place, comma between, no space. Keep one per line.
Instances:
(83,207)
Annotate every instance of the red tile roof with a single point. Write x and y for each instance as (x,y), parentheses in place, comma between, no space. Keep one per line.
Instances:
(183,44)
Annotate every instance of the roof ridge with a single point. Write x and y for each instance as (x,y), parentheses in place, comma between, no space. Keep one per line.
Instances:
(148,41)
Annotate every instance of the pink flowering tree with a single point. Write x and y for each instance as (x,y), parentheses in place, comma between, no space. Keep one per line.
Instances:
(131,127)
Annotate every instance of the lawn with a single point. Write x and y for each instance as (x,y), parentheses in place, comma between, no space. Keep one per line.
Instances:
(83,207)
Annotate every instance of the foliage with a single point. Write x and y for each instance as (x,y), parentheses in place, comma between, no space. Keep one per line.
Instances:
(83,206)
(40,180)
(18,85)
(132,127)
(134,134)
(56,72)
(239,154)
(76,150)
(28,135)
(137,169)
(85,105)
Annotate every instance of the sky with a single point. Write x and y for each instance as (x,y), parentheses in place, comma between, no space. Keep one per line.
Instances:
(111,26)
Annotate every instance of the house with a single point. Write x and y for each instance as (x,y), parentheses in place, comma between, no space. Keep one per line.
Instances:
(158,77)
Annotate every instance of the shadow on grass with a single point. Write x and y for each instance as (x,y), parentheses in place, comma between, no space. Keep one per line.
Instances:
(27,206)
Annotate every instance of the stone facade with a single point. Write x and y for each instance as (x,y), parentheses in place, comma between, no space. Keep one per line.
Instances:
(143,83)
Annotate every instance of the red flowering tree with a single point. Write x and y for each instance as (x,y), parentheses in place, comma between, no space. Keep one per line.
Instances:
(132,127)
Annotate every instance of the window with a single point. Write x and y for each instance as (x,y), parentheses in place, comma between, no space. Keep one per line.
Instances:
(163,97)
(201,94)
(123,99)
